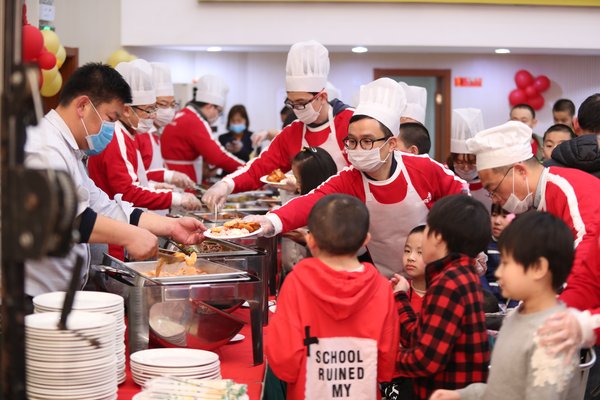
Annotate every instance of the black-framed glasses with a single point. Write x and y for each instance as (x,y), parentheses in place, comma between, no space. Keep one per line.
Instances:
(168,104)
(365,143)
(295,106)
(148,111)
(492,193)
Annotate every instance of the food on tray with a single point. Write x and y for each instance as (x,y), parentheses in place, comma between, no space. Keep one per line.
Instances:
(209,247)
(235,227)
(184,270)
(189,260)
(276,176)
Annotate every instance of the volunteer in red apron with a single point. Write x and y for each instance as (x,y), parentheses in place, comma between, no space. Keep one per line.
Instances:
(187,142)
(149,142)
(320,123)
(397,188)
(466,122)
(119,169)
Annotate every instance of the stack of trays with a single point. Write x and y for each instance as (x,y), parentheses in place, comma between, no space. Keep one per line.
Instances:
(181,363)
(72,364)
(94,302)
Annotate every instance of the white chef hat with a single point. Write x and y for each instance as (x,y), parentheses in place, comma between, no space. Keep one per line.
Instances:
(212,89)
(138,75)
(416,102)
(502,145)
(161,77)
(332,91)
(466,122)
(307,67)
(383,100)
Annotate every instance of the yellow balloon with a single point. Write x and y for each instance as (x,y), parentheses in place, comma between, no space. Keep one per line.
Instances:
(53,87)
(61,55)
(51,41)
(49,74)
(117,57)
(132,57)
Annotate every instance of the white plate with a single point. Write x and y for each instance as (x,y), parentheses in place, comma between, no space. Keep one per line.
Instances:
(237,338)
(174,357)
(83,301)
(210,235)
(78,320)
(263,179)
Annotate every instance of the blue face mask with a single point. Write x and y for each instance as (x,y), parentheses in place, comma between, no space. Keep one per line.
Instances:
(98,142)
(237,128)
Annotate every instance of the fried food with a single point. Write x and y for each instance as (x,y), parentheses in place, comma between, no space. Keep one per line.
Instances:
(276,176)
(235,227)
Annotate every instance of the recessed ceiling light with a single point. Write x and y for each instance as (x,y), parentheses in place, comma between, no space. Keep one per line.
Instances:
(214,49)
(502,51)
(359,49)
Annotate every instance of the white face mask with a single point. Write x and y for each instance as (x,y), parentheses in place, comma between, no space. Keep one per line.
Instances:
(164,116)
(516,206)
(309,114)
(144,125)
(468,175)
(367,160)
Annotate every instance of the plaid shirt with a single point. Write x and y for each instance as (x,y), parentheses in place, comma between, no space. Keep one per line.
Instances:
(446,346)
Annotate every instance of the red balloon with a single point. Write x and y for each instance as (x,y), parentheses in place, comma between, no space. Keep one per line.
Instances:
(541,83)
(46,60)
(33,42)
(531,91)
(523,79)
(536,102)
(517,96)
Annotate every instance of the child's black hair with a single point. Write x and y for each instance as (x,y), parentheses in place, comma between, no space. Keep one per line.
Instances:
(417,229)
(314,166)
(415,134)
(539,234)
(463,223)
(588,115)
(560,128)
(525,107)
(339,223)
(564,105)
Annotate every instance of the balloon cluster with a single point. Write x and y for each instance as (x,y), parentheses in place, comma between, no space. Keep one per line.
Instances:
(529,89)
(44,48)
(120,56)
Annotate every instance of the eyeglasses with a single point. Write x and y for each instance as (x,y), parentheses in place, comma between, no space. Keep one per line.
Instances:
(147,111)
(168,104)
(365,143)
(299,106)
(492,193)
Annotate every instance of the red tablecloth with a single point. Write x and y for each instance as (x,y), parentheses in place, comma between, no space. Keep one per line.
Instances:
(236,364)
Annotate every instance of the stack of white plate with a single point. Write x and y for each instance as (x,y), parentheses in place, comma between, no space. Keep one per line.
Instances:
(182,363)
(72,364)
(96,302)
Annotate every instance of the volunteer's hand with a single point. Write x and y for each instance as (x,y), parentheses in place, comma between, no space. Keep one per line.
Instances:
(399,283)
(259,137)
(215,196)
(265,223)
(190,202)
(443,394)
(289,184)
(186,230)
(561,333)
(297,235)
(162,185)
(481,263)
(141,244)
(181,180)
(234,146)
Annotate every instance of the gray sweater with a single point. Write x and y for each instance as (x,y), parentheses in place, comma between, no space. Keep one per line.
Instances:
(520,369)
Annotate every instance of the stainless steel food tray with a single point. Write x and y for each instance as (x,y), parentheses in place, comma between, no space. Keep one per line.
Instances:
(229,249)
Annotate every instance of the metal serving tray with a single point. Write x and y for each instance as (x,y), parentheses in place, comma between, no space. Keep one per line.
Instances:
(229,249)
(221,216)
(215,272)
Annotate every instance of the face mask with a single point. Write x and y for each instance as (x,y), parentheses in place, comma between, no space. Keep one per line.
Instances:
(237,128)
(366,160)
(98,142)
(467,175)
(516,206)
(164,116)
(309,114)
(144,125)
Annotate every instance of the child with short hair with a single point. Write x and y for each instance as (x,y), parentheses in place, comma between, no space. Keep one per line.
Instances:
(537,254)
(414,267)
(335,332)
(563,112)
(446,346)
(554,136)
(414,138)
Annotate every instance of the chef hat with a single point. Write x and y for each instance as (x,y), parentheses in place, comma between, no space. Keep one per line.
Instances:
(332,91)
(416,99)
(502,145)
(383,100)
(466,122)
(307,67)
(138,74)
(161,77)
(212,89)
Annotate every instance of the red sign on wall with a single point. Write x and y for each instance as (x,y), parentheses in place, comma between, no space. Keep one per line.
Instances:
(467,82)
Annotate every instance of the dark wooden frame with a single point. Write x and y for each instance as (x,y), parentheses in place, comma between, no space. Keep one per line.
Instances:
(443,106)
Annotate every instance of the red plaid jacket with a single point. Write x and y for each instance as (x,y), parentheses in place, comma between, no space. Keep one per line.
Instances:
(446,346)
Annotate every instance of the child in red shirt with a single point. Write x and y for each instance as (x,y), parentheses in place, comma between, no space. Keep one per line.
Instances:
(415,267)
(335,331)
